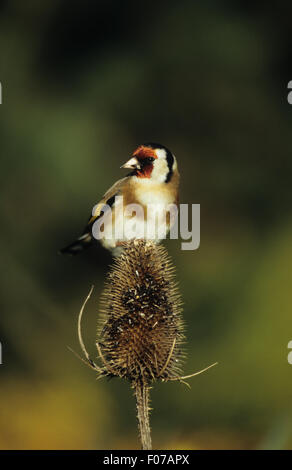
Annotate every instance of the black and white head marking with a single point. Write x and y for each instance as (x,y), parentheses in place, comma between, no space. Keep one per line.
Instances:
(170,160)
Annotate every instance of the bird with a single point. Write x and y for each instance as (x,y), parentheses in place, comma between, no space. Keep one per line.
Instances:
(151,187)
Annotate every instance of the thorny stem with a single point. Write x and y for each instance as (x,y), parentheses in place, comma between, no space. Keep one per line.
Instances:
(142,403)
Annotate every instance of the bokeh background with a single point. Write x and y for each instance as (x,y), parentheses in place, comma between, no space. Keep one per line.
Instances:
(84,82)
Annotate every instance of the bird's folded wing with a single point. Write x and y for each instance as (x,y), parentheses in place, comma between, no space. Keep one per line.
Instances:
(107,200)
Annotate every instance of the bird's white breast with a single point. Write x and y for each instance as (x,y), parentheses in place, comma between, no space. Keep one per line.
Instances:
(150,193)
(149,222)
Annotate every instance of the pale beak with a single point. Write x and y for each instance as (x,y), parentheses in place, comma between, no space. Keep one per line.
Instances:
(133,164)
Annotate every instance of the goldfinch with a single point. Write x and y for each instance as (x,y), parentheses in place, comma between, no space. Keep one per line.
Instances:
(147,191)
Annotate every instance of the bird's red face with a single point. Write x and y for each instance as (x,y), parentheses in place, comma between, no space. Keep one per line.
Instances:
(143,152)
(146,157)
(142,161)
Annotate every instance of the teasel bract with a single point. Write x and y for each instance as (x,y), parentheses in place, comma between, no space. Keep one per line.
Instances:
(140,330)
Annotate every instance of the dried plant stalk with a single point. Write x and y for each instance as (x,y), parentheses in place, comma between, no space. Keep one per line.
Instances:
(140,329)
(142,403)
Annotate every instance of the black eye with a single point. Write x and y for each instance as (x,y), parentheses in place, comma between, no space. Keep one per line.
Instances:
(150,159)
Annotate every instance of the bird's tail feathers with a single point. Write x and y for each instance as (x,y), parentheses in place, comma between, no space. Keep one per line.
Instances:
(83,242)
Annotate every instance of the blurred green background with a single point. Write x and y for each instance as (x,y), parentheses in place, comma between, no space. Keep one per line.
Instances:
(83,83)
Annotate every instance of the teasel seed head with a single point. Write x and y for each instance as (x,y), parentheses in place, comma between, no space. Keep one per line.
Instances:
(140,330)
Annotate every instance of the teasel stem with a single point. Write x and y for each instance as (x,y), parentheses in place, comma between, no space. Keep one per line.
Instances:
(142,403)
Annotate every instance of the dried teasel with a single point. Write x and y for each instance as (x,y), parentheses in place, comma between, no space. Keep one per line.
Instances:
(140,329)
